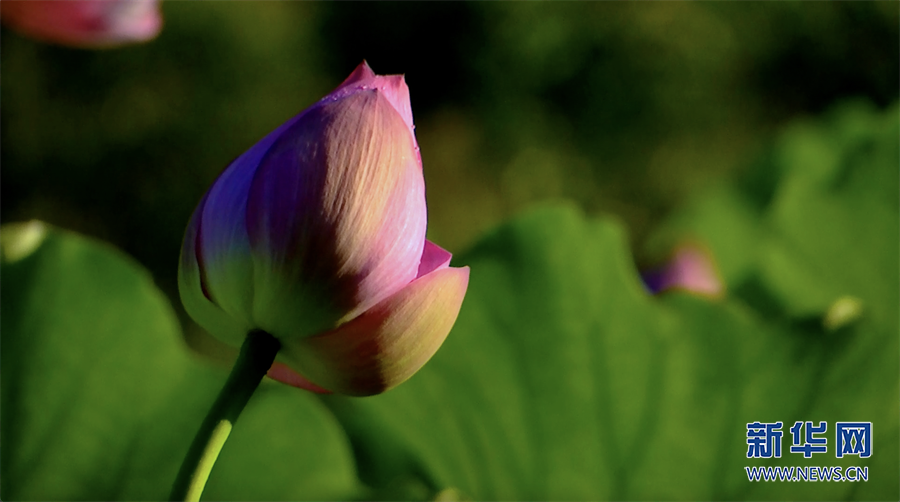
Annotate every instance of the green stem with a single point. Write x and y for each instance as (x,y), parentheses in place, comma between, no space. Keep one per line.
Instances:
(256,357)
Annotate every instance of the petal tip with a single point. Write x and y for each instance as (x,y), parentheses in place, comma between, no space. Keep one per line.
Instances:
(361,73)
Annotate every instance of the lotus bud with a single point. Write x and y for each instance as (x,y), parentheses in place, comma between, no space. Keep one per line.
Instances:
(84,23)
(691,268)
(316,235)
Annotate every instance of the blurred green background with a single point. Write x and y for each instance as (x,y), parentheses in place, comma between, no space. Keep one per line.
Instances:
(624,108)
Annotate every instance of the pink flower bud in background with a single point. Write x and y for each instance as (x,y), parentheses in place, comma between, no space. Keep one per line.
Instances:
(691,268)
(317,236)
(84,23)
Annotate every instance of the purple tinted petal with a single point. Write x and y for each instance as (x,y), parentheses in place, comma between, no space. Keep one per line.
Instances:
(338,207)
(194,292)
(434,257)
(654,280)
(224,242)
(691,268)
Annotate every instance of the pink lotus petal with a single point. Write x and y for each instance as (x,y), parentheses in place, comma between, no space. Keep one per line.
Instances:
(284,374)
(386,345)
(361,73)
(338,204)
(692,269)
(84,23)
(434,257)
(393,87)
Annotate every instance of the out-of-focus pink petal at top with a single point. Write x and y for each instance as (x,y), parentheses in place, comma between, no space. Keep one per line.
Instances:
(84,23)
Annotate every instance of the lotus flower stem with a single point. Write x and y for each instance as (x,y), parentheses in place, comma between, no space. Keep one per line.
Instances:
(257,354)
